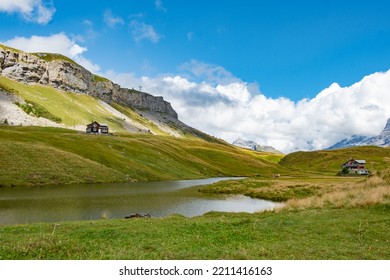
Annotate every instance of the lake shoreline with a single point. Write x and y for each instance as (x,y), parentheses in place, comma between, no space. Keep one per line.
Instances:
(117,200)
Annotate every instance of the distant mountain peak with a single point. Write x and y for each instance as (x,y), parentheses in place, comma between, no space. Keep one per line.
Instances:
(386,130)
(381,140)
(252,145)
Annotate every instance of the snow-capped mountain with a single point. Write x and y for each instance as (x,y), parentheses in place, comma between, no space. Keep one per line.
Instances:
(382,140)
(248,144)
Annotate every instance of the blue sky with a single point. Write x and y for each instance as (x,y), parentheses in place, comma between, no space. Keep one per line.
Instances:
(290,48)
(281,50)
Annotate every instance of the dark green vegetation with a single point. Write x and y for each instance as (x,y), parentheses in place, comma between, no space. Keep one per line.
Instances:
(33,108)
(353,233)
(33,156)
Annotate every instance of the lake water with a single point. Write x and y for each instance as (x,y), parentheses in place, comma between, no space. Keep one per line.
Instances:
(21,205)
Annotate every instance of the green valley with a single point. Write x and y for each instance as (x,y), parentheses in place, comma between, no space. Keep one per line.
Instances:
(46,101)
(80,158)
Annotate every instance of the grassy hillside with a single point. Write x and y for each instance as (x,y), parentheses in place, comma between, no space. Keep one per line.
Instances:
(329,162)
(35,155)
(9,48)
(324,217)
(53,56)
(73,109)
(310,177)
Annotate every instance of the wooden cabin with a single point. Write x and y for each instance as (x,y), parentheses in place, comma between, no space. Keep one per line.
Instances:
(97,128)
(355,166)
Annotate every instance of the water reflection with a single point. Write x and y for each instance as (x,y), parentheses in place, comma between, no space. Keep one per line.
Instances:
(92,201)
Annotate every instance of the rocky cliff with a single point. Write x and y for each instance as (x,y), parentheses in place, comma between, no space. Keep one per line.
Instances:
(62,73)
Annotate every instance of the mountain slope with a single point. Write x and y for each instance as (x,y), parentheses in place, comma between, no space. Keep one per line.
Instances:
(381,140)
(329,162)
(81,158)
(248,144)
(74,97)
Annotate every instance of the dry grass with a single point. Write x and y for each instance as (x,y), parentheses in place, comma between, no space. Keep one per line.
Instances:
(372,191)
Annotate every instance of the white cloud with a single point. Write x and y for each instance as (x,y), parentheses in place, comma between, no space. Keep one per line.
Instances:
(142,31)
(112,20)
(88,64)
(208,72)
(30,10)
(57,43)
(237,109)
(159,6)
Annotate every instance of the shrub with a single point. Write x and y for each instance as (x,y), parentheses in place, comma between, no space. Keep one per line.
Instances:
(37,110)
(4,123)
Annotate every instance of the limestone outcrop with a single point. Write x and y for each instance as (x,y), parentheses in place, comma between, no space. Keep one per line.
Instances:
(62,73)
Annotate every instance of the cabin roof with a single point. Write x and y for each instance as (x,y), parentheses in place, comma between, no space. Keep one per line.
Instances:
(358,161)
(100,124)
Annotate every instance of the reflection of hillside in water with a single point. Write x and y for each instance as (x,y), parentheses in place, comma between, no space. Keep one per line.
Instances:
(95,201)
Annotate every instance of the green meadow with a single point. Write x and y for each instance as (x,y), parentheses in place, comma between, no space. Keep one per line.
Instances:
(323,216)
(330,233)
(80,158)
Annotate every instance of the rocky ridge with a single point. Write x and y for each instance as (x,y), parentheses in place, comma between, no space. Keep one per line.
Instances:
(62,73)
(248,144)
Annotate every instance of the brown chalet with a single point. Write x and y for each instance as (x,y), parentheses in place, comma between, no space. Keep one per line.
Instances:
(353,166)
(97,128)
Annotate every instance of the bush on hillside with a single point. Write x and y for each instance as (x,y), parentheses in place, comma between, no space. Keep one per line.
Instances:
(37,110)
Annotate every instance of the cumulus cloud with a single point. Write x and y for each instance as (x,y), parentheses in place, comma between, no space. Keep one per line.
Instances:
(237,109)
(30,10)
(112,20)
(56,43)
(142,31)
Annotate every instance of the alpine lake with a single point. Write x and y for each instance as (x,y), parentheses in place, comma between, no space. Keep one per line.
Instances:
(21,205)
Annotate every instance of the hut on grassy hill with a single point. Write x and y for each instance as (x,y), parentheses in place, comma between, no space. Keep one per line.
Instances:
(97,128)
(353,166)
